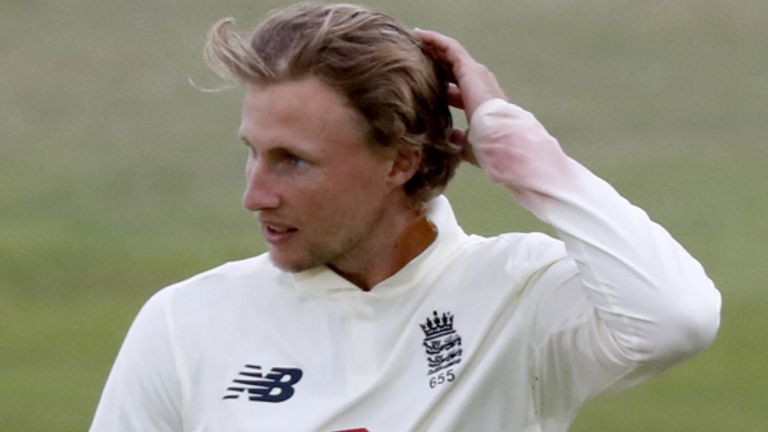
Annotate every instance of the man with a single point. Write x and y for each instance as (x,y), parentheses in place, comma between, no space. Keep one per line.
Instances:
(373,310)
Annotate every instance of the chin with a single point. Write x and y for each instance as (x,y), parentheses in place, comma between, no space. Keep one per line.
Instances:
(288,264)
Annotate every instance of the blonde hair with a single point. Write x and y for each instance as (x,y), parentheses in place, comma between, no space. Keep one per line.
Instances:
(370,58)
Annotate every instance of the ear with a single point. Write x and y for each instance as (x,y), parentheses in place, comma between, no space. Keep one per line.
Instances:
(405,164)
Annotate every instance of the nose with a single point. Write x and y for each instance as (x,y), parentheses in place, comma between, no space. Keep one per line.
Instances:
(260,188)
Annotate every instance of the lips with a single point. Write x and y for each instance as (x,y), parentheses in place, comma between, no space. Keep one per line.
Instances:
(277,233)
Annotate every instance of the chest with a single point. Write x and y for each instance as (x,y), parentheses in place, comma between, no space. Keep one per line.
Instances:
(451,357)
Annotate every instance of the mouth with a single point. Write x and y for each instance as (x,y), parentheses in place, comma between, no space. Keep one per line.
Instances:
(275,234)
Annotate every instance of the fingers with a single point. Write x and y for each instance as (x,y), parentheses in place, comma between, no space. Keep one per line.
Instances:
(454,96)
(474,83)
(459,136)
(444,47)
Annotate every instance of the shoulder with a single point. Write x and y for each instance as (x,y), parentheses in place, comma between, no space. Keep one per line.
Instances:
(222,285)
(231,274)
(504,262)
(523,249)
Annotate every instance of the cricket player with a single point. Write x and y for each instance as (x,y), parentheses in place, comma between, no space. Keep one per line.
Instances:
(373,310)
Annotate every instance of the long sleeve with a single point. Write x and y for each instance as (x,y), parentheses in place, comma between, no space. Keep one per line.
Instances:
(630,301)
(143,391)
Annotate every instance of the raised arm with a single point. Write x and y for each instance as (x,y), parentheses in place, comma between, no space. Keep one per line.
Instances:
(648,303)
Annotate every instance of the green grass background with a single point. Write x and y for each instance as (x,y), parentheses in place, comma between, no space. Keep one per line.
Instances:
(117,177)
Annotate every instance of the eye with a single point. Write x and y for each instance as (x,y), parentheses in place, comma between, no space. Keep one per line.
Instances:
(296,161)
(291,159)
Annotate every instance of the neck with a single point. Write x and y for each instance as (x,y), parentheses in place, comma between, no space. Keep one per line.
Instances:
(411,237)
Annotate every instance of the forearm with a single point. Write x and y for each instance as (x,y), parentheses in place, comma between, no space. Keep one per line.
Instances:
(655,299)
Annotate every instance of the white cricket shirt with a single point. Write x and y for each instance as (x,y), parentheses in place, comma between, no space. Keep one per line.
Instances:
(510,333)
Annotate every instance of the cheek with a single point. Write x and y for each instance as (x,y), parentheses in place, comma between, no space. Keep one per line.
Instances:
(335,207)
(341,195)
(369,176)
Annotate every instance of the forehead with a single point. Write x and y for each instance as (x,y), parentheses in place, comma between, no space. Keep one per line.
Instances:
(304,106)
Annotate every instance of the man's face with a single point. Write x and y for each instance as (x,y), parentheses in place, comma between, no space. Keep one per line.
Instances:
(318,188)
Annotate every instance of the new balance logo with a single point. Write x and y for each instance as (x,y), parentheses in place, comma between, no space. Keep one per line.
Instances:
(275,386)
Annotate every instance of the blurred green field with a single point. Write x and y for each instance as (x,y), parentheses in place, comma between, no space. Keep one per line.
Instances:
(117,177)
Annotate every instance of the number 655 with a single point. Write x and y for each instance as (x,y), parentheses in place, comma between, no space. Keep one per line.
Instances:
(441,378)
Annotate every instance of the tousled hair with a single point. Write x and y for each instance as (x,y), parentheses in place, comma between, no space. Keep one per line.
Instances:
(368,57)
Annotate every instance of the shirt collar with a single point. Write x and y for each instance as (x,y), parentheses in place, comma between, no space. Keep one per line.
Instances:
(324,282)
